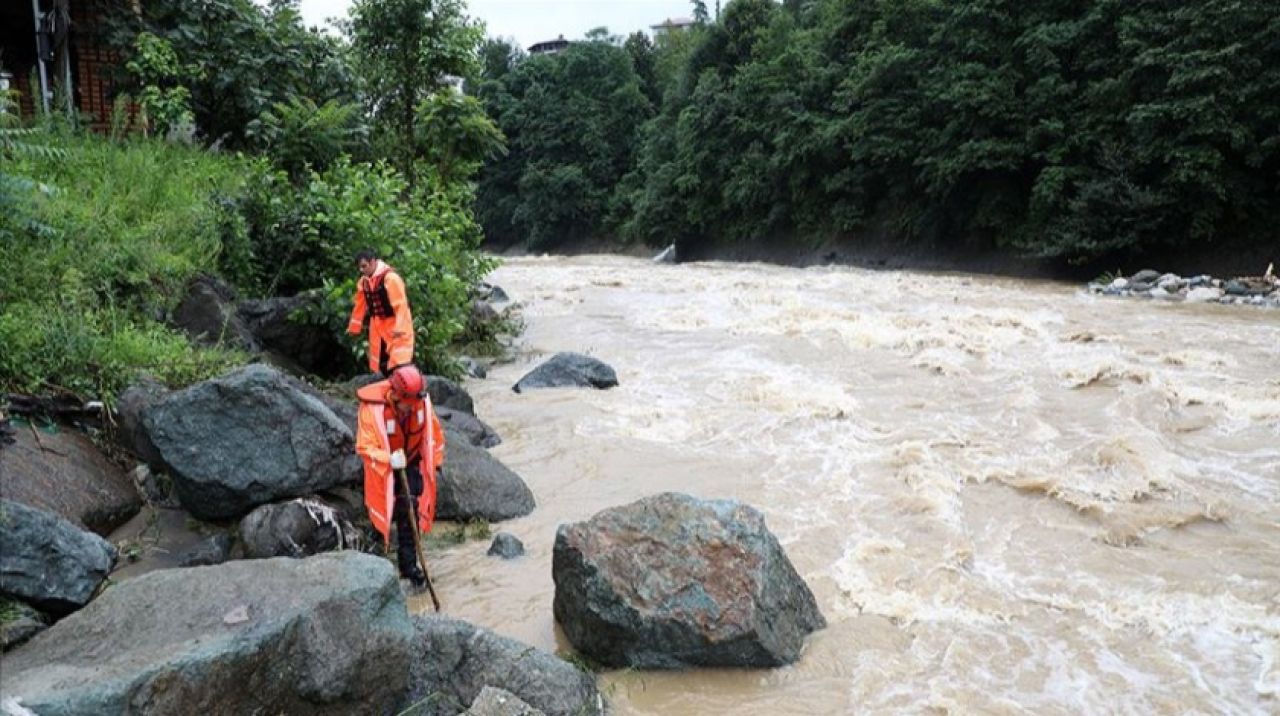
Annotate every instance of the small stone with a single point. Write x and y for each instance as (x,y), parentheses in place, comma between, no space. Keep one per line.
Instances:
(1120,283)
(1236,288)
(1145,276)
(1203,294)
(506,546)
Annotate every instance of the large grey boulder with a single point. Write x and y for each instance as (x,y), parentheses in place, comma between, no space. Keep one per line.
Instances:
(469,427)
(207,313)
(48,562)
(297,528)
(454,660)
(288,326)
(325,635)
(673,581)
(568,370)
(248,438)
(65,473)
(447,394)
(475,486)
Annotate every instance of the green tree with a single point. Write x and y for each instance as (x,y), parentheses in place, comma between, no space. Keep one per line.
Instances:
(246,57)
(406,51)
(573,122)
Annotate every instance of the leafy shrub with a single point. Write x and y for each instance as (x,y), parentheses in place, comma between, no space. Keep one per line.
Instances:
(296,237)
(299,136)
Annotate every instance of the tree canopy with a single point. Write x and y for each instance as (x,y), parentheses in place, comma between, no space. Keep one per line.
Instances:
(1052,128)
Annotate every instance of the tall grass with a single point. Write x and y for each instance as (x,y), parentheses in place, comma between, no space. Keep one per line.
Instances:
(122,227)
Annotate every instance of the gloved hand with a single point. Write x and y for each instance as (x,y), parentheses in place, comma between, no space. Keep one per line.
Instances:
(397,460)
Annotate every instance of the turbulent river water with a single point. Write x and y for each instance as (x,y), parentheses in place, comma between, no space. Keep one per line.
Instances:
(1008,496)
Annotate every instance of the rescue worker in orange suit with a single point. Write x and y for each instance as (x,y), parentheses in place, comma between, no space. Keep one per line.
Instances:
(380,297)
(398,430)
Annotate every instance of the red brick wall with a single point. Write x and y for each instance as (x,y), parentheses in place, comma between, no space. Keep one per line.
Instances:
(93,67)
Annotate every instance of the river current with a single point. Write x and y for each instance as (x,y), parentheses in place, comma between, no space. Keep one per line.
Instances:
(1008,496)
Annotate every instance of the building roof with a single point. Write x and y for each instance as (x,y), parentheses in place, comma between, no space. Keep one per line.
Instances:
(673,22)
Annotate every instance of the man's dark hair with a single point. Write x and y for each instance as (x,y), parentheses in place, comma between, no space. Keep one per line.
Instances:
(366,255)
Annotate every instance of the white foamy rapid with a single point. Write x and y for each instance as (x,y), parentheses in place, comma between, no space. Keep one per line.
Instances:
(1008,496)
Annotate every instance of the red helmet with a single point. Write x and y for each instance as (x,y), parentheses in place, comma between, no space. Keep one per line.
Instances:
(406,380)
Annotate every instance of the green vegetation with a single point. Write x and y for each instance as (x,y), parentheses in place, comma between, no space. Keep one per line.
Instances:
(1050,128)
(100,235)
(107,240)
(572,122)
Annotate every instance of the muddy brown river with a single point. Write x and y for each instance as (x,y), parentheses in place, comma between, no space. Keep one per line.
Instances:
(1008,496)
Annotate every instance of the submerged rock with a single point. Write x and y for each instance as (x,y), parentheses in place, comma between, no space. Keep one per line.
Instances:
(49,562)
(672,581)
(569,370)
(454,661)
(506,546)
(325,635)
(248,438)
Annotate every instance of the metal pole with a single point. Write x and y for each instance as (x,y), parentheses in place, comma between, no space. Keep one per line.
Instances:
(44,73)
(66,64)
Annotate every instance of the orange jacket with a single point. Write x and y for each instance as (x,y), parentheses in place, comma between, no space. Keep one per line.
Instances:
(381,431)
(396,331)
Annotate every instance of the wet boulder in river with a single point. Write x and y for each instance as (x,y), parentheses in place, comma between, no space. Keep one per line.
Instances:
(569,370)
(672,581)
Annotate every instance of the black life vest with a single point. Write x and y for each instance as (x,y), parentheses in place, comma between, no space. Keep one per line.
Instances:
(376,298)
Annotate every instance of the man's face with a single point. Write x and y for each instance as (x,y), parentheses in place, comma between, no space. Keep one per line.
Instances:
(366,266)
(403,403)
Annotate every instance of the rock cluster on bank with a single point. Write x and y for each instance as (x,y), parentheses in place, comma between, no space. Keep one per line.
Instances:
(1249,290)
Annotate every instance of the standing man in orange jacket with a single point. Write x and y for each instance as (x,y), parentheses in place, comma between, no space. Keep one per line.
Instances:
(380,296)
(398,430)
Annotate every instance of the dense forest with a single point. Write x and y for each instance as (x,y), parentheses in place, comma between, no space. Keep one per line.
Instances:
(1062,129)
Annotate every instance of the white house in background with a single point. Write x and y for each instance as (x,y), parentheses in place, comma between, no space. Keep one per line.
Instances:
(549,47)
(671,26)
